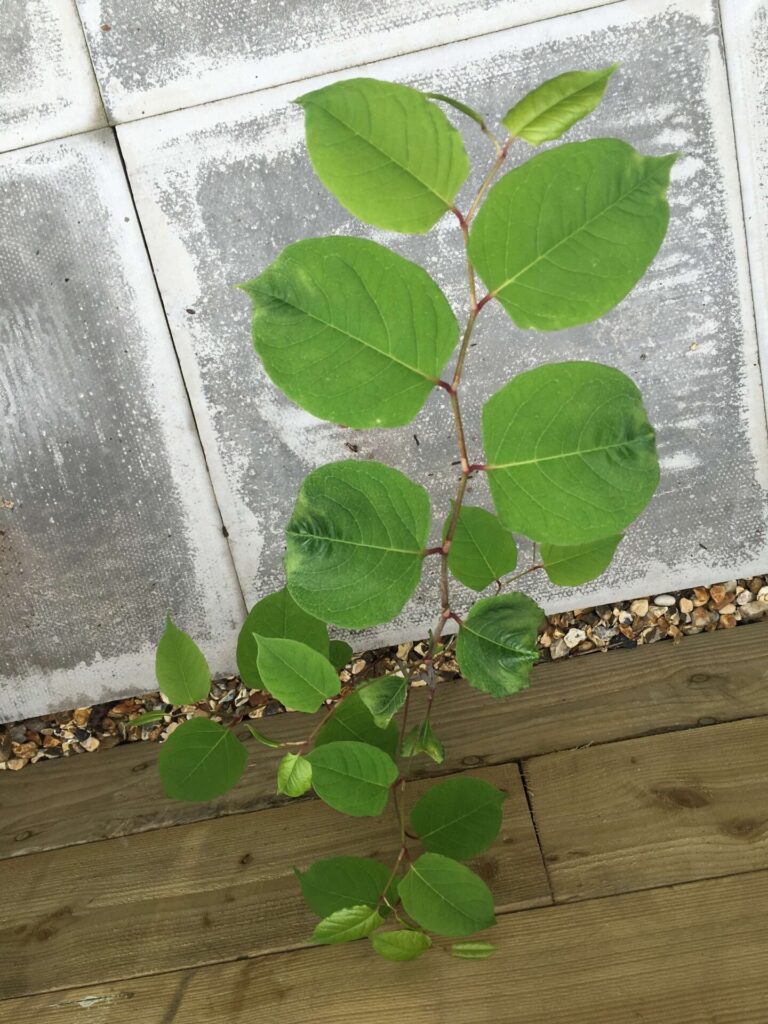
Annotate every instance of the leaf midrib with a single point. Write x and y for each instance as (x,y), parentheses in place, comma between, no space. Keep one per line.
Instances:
(354,543)
(569,455)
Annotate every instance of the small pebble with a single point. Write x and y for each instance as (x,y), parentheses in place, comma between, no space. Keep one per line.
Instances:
(664,600)
(574,637)
(639,608)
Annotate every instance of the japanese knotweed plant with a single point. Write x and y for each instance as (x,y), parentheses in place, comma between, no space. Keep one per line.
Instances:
(356,334)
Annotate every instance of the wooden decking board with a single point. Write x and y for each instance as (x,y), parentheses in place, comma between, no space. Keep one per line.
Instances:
(653,811)
(209,891)
(691,954)
(713,677)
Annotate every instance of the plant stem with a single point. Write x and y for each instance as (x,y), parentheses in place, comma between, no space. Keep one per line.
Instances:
(500,158)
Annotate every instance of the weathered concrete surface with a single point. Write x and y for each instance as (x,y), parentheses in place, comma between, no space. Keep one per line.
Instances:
(745,27)
(107,517)
(47,87)
(222,188)
(153,56)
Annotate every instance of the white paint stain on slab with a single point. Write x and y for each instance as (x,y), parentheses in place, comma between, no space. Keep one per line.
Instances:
(47,86)
(222,188)
(152,56)
(108,518)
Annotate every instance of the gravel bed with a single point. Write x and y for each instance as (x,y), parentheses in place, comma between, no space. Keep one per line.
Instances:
(645,620)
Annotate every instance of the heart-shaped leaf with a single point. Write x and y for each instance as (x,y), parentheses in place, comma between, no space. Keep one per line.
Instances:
(339,882)
(445,897)
(276,615)
(200,760)
(352,720)
(389,156)
(482,550)
(459,817)
(180,667)
(384,697)
(347,925)
(296,675)
(355,543)
(563,238)
(294,775)
(353,778)
(402,944)
(350,331)
(556,105)
(571,454)
(496,646)
(571,565)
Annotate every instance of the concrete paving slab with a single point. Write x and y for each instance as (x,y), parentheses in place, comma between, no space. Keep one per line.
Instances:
(153,56)
(222,188)
(745,27)
(107,516)
(47,86)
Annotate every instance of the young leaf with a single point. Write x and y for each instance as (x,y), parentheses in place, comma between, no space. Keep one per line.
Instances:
(496,646)
(353,721)
(147,717)
(570,565)
(459,817)
(294,674)
(384,697)
(473,950)
(200,760)
(350,331)
(352,777)
(276,615)
(180,667)
(294,775)
(261,738)
(563,238)
(355,542)
(347,925)
(422,740)
(555,106)
(339,654)
(445,897)
(389,156)
(482,550)
(402,944)
(339,882)
(571,454)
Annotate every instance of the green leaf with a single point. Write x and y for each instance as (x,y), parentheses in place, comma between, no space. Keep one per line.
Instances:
(180,667)
(570,565)
(353,721)
(339,654)
(473,950)
(384,697)
(347,925)
(389,156)
(422,740)
(339,882)
(463,108)
(294,775)
(261,738)
(352,777)
(147,717)
(571,454)
(296,675)
(276,615)
(563,238)
(350,331)
(459,817)
(200,760)
(355,543)
(556,105)
(445,897)
(482,550)
(400,945)
(496,646)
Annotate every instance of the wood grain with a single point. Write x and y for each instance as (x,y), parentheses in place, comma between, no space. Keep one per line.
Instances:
(709,678)
(210,891)
(692,954)
(649,812)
